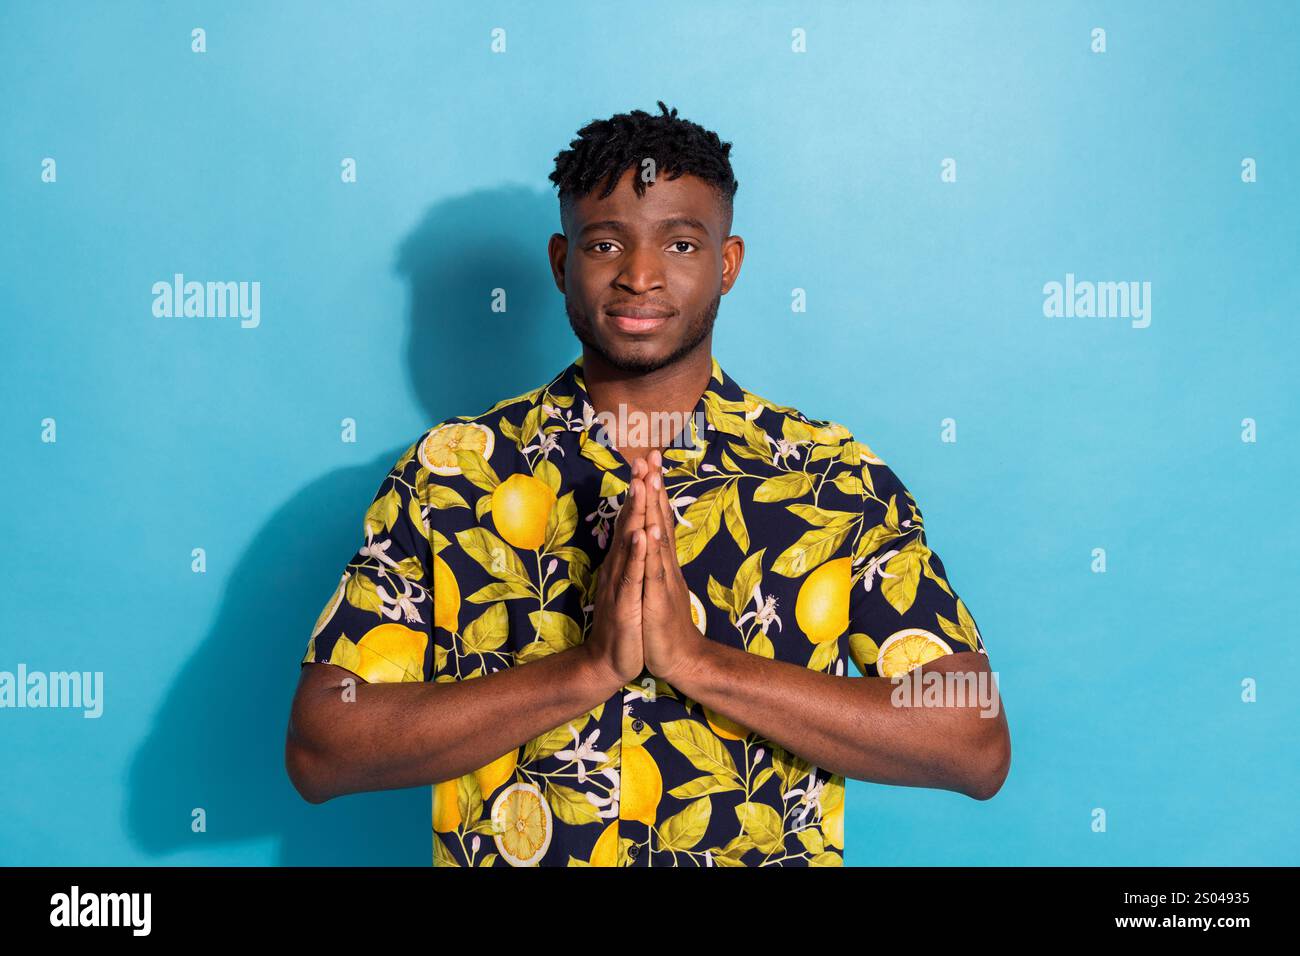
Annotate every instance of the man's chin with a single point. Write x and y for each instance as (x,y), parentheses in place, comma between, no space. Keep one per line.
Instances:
(639,357)
(638,354)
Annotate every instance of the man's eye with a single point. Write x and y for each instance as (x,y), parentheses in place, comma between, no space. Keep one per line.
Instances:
(596,246)
(684,242)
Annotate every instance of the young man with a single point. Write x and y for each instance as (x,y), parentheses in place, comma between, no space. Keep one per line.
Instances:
(624,640)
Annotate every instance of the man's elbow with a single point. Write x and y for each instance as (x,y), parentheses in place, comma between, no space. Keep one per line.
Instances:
(991,770)
(303,772)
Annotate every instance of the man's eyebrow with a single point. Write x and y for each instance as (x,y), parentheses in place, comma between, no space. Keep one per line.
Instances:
(616,225)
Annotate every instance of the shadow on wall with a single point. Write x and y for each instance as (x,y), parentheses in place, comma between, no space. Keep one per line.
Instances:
(218,740)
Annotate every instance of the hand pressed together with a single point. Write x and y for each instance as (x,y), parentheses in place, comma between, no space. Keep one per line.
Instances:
(642,617)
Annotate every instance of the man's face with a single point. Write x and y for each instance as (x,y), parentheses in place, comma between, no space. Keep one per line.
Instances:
(642,277)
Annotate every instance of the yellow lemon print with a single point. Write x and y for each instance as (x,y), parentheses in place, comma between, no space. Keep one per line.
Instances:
(446,596)
(833,825)
(697,612)
(331,606)
(496,773)
(438,450)
(391,652)
(830,434)
(605,852)
(446,811)
(521,824)
(521,506)
(822,607)
(641,786)
(908,648)
(724,726)
(868,456)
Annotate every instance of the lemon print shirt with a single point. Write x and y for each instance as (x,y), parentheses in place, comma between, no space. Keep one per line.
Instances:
(479,553)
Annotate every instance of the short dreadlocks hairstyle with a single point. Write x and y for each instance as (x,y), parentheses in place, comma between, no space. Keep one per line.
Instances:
(605,149)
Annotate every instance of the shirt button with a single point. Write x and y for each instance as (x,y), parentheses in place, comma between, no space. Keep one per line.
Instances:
(638,724)
(633,851)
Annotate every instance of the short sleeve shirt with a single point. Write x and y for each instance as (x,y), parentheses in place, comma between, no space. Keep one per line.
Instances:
(797,543)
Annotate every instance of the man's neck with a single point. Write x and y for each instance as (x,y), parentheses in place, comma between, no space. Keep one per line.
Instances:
(673,388)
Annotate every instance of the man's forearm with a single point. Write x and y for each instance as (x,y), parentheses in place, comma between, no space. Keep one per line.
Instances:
(396,735)
(849,725)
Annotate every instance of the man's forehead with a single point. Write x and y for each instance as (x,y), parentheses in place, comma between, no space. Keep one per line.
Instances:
(686,201)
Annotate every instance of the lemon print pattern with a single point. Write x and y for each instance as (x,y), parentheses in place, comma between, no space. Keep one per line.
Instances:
(605,852)
(438,450)
(479,551)
(822,607)
(699,617)
(908,649)
(642,786)
(724,727)
(521,822)
(446,809)
(521,507)
(387,652)
(496,773)
(446,596)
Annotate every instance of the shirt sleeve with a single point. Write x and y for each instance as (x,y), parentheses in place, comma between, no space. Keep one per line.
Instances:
(378,623)
(903,611)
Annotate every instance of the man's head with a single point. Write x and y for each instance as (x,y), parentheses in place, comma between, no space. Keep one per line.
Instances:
(646,253)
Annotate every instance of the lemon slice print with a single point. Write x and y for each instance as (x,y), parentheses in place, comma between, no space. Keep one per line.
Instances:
(438,450)
(521,824)
(868,456)
(697,612)
(907,649)
(332,605)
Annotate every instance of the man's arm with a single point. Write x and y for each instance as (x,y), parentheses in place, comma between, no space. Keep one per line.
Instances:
(850,725)
(387,735)
(415,733)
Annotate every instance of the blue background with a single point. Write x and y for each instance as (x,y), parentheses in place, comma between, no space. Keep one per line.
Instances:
(1123,689)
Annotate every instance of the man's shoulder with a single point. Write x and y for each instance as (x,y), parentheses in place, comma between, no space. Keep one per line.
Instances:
(435,449)
(796,425)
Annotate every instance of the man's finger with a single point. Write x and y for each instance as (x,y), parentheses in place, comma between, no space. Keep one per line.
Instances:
(653,587)
(634,575)
(630,517)
(618,543)
(634,515)
(668,520)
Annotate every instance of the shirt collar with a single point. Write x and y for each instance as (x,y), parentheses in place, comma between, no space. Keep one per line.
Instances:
(567,394)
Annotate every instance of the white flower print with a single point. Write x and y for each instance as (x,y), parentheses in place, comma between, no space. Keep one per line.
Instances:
(585,750)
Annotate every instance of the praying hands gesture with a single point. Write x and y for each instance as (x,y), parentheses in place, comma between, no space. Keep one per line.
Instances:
(643,611)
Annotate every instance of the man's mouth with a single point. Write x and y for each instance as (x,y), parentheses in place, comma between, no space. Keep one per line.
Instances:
(634,319)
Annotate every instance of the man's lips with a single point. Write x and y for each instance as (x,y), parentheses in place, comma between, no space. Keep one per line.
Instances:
(631,318)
